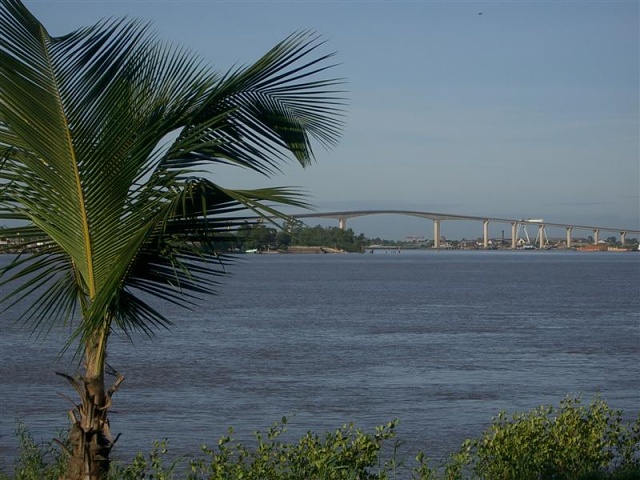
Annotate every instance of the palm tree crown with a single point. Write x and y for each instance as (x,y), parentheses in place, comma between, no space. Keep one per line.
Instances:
(105,134)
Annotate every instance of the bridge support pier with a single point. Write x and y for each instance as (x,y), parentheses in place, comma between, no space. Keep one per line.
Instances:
(485,234)
(596,236)
(569,230)
(514,234)
(436,233)
(623,237)
(542,236)
(342,223)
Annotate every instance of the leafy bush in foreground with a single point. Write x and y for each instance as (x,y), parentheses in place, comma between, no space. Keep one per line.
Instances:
(36,462)
(345,454)
(570,442)
(567,443)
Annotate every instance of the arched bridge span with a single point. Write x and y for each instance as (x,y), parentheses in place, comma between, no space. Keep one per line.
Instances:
(437,218)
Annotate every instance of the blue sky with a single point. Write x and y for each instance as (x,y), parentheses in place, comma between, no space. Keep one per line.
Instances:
(527,110)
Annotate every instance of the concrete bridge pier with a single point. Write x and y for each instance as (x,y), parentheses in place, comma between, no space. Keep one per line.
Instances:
(514,234)
(436,233)
(569,230)
(596,236)
(342,223)
(623,237)
(485,234)
(542,236)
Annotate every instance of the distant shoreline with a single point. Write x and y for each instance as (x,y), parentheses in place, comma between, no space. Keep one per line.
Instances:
(315,250)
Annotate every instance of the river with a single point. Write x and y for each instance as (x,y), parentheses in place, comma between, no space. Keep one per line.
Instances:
(440,340)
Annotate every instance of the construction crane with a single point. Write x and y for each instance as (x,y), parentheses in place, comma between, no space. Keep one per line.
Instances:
(522,227)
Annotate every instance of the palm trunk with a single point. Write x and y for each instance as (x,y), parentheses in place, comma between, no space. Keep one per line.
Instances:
(90,441)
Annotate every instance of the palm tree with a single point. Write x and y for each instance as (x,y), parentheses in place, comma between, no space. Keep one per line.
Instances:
(105,136)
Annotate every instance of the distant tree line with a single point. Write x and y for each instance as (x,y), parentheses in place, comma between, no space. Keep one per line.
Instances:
(259,237)
(264,238)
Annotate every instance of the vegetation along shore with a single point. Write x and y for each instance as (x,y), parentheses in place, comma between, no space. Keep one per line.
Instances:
(571,441)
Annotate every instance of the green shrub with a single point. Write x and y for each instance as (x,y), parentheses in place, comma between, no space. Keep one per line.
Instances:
(152,466)
(346,454)
(42,461)
(572,442)
(565,443)
(342,455)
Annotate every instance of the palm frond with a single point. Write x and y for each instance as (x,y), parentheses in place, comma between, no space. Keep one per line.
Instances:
(119,215)
(44,280)
(270,110)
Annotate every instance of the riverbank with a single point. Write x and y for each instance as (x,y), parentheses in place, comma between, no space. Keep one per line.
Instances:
(299,250)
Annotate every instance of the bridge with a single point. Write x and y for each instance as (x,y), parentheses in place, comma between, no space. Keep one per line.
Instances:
(438,218)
